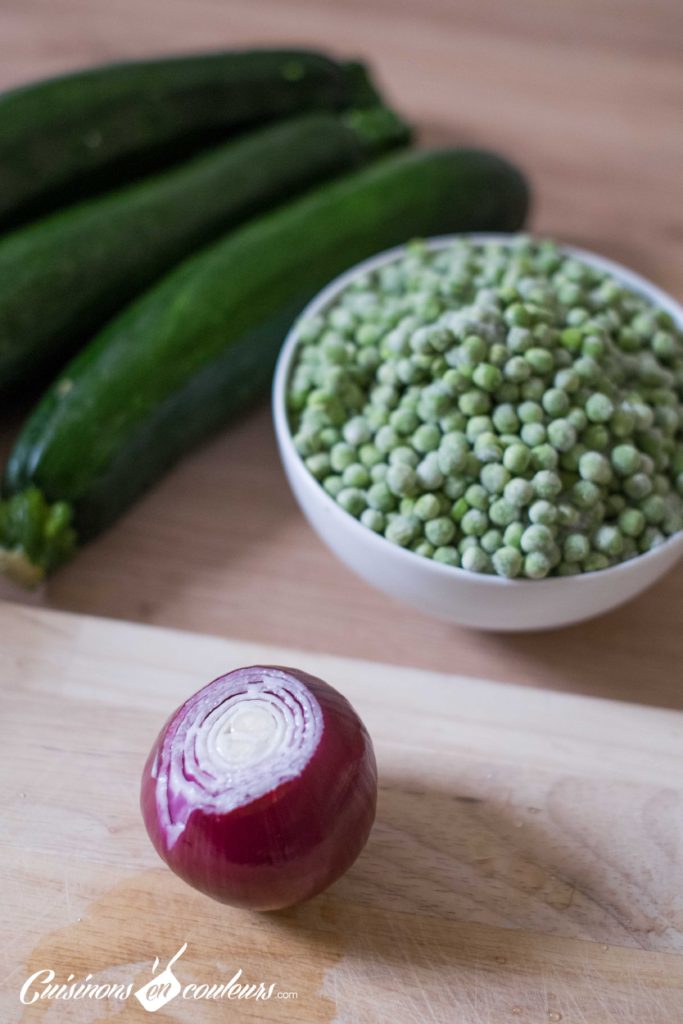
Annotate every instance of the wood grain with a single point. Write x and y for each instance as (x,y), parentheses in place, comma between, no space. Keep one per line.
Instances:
(587,97)
(526,862)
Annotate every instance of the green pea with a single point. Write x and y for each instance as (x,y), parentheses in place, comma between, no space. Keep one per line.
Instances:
(474,559)
(474,522)
(595,467)
(439,531)
(599,408)
(352,500)
(373,519)
(447,556)
(507,561)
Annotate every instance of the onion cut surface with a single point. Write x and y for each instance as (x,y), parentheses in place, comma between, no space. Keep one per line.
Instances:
(260,790)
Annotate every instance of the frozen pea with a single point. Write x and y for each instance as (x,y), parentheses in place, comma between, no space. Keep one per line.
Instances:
(426,438)
(567,515)
(475,348)
(386,438)
(474,559)
(556,402)
(544,456)
(608,540)
(491,541)
(474,403)
(653,508)
(568,569)
(352,500)
(519,492)
(356,475)
(507,561)
(638,485)
(505,418)
(356,431)
(650,538)
(543,512)
(435,402)
(379,472)
(596,561)
(530,412)
(537,565)
(625,459)
(373,519)
(333,485)
(454,487)
(622,423)
(595,467)
(519,339)
(517,370)
(406,506)
(578,419)
(447,556)
(478,425)
(516,458)
(614,504)
(380,497)
(403,480)
(404,454)
(540,360)
(487,377)
(631,522)
(377,418)
(401,530)
(537,538)
(596,437)
(474,522)
(503,512)
(429,472)
(561,434)
(427,507)
(404,421)
(576,547)
(369,455)
(546,483)
(487,448)
(599,408)
(439,531)
(494,477)
(319,465)
(329,437)
(568,380)
(423,548)
(477,496)
(585,494)
(533,434)
(513,534)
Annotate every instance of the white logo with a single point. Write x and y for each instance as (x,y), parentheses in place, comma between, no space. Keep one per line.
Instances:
(161,990)
(153,995)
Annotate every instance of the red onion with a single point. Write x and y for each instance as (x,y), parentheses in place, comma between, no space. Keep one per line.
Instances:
(261,789)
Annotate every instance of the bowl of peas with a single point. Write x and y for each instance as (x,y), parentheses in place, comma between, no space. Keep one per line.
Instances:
(490,428)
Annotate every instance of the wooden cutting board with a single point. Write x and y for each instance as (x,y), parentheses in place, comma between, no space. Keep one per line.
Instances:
(526,864)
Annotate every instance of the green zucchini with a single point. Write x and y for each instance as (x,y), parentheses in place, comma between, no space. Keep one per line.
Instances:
(62,277)
(68,137)
(201,345)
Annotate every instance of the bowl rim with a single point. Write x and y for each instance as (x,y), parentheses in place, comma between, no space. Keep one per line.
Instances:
(327,295)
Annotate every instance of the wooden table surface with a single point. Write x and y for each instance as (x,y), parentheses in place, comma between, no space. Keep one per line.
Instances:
(587,97)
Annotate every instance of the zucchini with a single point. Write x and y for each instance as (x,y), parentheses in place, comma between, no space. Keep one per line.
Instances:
(62,277)
(201,345)
(68,137)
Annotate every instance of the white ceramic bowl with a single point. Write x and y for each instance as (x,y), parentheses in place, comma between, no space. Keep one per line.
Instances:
(470,599)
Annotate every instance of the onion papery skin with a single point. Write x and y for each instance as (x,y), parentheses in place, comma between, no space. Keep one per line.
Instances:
(286,844)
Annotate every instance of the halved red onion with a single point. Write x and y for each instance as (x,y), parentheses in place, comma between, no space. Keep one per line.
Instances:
(261,789)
